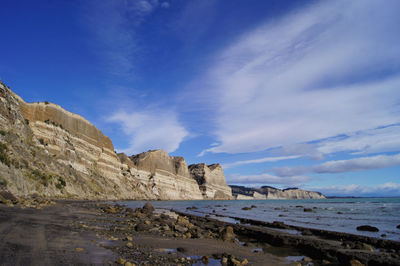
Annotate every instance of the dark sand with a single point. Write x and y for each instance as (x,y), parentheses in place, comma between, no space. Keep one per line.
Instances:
(89,233)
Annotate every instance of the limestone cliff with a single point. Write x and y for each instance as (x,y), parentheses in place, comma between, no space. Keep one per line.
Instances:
(168,175)
(52,152)
(211,180)
(47,150)
(267,192)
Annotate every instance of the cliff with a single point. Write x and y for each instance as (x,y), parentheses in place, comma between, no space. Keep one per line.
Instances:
(169,176)
(267,192)
(49,151)
(211,180)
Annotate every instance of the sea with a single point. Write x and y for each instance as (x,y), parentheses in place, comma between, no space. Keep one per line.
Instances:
(333,214)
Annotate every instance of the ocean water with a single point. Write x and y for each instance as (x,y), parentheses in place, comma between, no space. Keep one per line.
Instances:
(340,215)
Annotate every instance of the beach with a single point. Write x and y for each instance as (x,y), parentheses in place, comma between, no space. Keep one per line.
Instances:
(106,233)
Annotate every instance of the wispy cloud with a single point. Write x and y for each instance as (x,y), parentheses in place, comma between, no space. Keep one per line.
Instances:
(266,179)
(155,129)
(113,25)
(342,166)
(327,70)
(261,160)
(387,189)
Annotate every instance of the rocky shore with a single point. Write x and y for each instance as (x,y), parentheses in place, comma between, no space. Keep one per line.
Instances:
(84,232)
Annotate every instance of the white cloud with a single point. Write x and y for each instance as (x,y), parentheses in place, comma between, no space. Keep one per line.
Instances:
(387,189)
(114,24)
(314,74)
(358,164)
(385,139)
(260,160)
(165,5)
(264,179)
(148,130)
(342,166)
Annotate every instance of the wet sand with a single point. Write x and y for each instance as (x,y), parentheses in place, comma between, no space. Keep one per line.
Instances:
(92,233)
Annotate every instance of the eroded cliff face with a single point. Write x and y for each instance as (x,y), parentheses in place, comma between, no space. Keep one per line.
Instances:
(211,180)
(168,175)
(273,193)
(47,150)
(267,192)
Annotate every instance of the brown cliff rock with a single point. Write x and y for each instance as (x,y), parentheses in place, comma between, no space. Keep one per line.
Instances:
(211,180)
(167,174)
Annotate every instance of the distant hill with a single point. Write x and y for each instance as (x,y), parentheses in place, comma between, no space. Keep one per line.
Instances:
(268,192)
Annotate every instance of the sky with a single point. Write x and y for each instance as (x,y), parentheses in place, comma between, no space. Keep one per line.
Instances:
(295,93)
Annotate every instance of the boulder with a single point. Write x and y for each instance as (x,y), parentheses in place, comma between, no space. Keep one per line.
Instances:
(227,234)
(367,228)
(148,208)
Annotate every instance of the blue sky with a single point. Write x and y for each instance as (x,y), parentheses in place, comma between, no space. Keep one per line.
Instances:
(281,93)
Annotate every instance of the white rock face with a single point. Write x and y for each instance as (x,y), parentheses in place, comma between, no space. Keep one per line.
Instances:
(211,180)
(63,155)
(169,176)
(292,194)
(267,192)
(244,197)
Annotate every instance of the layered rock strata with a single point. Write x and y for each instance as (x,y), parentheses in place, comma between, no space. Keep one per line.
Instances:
(49,151)
(267,192)
(211,180)
(168,175)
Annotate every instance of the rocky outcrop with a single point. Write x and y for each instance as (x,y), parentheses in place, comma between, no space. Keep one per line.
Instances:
(49,151)
(211,180)
(55,153)
(267,192)
(168,175)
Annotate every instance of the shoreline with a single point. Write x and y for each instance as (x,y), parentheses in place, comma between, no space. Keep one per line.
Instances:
(100,233)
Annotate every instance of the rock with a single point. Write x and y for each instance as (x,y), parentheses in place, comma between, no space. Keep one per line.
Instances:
(306,232)
(367,228)
(306,260)
(246,208)
(129,245)
(184,221)
(253,206)
(148,208)
(129,264)
(398,227)
(267,192)
(224,261)
(355,263)
(142,227)
(8,196)
(120,261)
(211,180)
(235,262)
(180,249)
(168,174)
(128,238)
(110,210)
(79,249)
(383,235)
(147,222)
(180,228)
(368,247)
(188,235)
(205,260)
(245,262)
(307,210)
(227,234)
